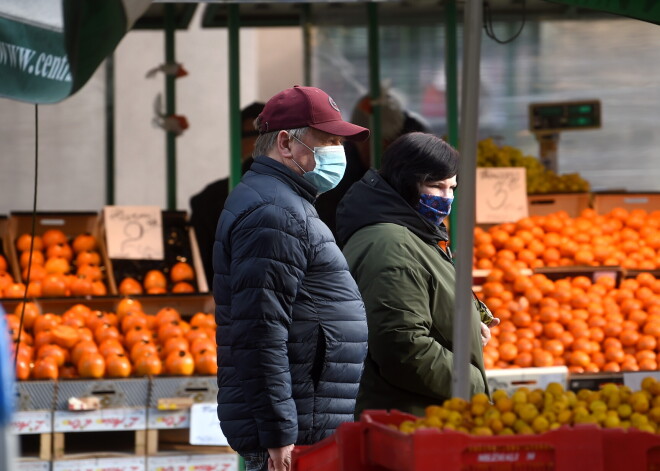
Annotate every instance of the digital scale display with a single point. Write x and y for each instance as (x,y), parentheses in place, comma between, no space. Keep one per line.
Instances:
(564,116)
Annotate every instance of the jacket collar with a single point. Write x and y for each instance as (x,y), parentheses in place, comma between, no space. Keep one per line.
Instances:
(268,166)
(371,201)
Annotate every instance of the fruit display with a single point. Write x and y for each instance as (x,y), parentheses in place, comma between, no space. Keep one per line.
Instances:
(588,326)
(87,343)
(630,239)
(58,266)
(180,279)
(537,411)
(539,179)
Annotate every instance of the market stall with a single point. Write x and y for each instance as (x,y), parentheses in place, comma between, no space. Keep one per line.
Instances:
(151,414)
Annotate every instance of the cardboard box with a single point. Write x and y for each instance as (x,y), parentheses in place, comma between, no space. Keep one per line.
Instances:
(71,223)
(603,203)
(511,379)
(572,203)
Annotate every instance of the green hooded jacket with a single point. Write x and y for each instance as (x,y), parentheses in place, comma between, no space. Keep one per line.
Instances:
(408,285)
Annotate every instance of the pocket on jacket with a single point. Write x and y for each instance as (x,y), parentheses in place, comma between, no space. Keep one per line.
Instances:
(319,357)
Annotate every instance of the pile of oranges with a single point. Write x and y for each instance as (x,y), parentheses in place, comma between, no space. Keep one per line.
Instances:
(56,267)
(630,239)
(181,279)
(85,343)
(588,326)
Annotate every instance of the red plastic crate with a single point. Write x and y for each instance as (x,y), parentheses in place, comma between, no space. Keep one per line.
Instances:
(566,449)
(339,452)
(631,450)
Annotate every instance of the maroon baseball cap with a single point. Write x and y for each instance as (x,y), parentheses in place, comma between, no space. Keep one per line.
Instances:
(300,107)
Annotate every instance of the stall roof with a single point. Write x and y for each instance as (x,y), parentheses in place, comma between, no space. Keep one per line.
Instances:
(352,13)
(154,17)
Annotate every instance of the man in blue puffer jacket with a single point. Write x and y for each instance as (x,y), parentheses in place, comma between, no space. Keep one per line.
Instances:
(292,328)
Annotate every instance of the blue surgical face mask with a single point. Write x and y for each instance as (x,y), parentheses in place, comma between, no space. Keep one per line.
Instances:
(329,169)
(434,208)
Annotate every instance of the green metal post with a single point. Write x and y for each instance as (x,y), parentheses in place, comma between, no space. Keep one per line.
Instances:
(170,106)
(451,91)
(374,85)
(307,43)
(233,27)
(110,130)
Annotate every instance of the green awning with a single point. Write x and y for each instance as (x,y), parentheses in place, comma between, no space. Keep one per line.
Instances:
(645,10)
(49,49)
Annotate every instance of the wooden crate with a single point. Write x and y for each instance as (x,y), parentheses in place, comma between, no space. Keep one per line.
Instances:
(603,203)
(571,203)
(71,223)
(179,243)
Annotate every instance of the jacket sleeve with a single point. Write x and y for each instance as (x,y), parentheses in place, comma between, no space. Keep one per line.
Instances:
(400,338)
(268,263)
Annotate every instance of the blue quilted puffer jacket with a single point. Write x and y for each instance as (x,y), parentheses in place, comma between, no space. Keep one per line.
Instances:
(292,331)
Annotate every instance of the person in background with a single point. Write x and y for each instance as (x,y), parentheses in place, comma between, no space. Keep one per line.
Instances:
(292,328)
(395,122)
(205,206)
(390,225)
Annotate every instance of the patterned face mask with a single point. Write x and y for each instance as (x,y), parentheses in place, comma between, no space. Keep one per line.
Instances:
(434,208)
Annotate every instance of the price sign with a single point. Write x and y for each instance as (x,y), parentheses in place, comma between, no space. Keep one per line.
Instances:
(134,232)
(501,195)
(204,425)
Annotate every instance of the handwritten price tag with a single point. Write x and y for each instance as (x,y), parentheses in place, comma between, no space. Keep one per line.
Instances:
(501,195)
(159,419)
(27,422)
(204,425)
(105,419)
(134,232)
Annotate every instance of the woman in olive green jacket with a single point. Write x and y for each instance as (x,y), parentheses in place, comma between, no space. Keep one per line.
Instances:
(390,224)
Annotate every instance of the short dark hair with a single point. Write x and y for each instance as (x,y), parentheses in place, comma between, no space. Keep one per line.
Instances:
(415,158)
(252,110)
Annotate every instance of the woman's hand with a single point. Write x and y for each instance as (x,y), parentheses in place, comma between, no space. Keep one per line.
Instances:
(485,331)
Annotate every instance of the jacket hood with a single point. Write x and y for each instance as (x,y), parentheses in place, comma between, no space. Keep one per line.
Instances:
(372,201)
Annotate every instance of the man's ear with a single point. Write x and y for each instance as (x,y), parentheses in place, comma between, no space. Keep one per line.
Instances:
(284,144)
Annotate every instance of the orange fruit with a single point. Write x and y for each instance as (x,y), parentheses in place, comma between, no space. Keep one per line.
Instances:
(182,271)
(130,286)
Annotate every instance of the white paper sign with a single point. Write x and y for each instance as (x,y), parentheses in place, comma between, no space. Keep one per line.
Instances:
(134,232)
(501,195)
(204,425)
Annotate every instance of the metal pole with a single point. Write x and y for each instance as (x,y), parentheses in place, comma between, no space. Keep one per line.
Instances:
(170,107)
(233,28)
(110,130)
(374,85)
(451,92)
(466,204)
(307,43)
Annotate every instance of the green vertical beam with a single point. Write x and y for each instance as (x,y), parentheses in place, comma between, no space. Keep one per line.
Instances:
(233,28)
(307,43)
(170,107)
(110,130)
(374,85)
(451,90)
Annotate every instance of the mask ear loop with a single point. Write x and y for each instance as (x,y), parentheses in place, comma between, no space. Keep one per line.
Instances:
(297,164)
